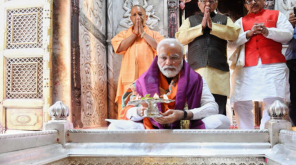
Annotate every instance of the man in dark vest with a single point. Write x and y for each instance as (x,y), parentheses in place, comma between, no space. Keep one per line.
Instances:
(206,35)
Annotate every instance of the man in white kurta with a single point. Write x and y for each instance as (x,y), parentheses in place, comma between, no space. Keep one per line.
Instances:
(169,75)
(264,76)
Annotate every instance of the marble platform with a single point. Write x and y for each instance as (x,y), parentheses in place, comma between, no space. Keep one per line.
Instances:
(235,147)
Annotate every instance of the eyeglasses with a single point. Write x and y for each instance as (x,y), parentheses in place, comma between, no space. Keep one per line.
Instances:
(205,1)
(172,58)
(250,1)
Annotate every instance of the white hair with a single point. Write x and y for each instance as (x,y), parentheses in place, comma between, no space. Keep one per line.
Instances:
(169,41)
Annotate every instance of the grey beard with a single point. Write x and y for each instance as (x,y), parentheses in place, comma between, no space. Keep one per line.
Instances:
(170,74)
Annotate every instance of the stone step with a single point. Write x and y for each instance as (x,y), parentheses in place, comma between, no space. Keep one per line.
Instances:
(168,136)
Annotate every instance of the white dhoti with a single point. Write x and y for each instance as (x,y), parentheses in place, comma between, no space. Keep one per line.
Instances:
(244,115)
(211,122)
(264,82)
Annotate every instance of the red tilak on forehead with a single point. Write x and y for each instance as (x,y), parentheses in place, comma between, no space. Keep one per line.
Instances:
(168,53)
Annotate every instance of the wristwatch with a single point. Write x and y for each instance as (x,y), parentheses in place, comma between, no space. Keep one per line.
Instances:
(185,115)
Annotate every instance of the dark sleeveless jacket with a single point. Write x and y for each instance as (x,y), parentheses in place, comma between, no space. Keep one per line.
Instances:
(208,49)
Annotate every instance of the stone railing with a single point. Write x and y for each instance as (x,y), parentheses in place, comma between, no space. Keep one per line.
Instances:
(29,147)
(61,144)
(21,141)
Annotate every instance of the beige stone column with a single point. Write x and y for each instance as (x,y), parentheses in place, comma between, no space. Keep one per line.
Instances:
(62,53)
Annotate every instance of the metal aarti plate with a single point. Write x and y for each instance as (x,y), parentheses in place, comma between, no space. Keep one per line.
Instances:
(152,110)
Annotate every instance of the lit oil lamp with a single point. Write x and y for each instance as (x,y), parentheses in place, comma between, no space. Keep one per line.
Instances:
(164,96)
(155,96)
(137,97)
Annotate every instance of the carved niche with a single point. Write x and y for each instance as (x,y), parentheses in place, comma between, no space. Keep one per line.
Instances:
(93,79)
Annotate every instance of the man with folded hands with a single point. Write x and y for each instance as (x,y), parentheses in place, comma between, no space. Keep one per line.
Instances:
(264,74)
(206,35)
(137,45)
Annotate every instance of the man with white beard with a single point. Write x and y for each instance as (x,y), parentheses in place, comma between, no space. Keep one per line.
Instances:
(170,75)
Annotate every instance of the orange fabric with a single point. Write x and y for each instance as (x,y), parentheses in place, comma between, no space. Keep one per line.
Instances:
(147,123)
(163,89)
(268,50)
(164,85)
(136,59)
(122,114)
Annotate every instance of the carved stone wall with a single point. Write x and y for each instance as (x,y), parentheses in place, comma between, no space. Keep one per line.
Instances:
(93,70)
(94,10)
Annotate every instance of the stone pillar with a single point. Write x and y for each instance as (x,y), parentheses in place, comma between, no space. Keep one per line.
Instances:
(277,112)
(112,112)
(75,57)
(62,52)
(173,6)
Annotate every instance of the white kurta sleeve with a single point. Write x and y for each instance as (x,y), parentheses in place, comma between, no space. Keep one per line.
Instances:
(283,32)
(242,39)
(132,114)
(208,106)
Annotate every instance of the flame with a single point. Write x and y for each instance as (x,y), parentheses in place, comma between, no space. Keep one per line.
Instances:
(165,97)
(137,97)
(156,96)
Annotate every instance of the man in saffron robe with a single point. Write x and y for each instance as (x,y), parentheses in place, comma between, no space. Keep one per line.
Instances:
(138,47)
(264,76)
(169,74)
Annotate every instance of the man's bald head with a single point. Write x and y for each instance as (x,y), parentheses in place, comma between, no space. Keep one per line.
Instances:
(139,7)
(138,11)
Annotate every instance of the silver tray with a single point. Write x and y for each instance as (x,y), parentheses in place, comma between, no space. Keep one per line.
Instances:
(152,110)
